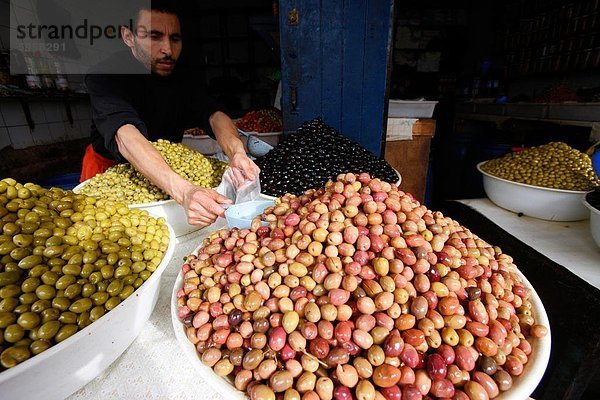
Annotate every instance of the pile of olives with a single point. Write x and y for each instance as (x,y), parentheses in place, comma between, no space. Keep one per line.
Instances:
(65,260)
(554,165)
(313,155)
(123,183)
(358,291)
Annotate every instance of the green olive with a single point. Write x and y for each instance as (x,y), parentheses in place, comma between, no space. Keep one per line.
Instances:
(68,317)
(38,271)
(30,285)
(48,330)
(13,356)
(9,278)
(13,333)
(30,262)
(40,306)
(7,319)
(29,320)
(112,303)
(39,346)
(115,287)
(45,292)
(50,314)
(8,304)
(99,298)
(65,332)
(81,305)
(73,291)
(84,320)
(64,281)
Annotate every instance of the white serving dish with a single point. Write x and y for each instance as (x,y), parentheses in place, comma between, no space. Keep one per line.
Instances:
(172,211)
(68,366)
(411,108)
(522,388)
(266,196)
(534,201)
(594,222)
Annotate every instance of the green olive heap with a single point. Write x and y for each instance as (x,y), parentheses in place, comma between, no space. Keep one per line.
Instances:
(357,291)
(65,260)
(554,165)
(123,183)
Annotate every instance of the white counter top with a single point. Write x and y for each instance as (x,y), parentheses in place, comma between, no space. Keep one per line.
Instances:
(569,244)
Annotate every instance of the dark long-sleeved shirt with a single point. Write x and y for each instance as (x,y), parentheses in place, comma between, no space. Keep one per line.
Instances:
(160,107)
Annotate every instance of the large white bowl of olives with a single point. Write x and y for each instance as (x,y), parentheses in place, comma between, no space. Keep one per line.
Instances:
(546,182)
(535,201)
(84,293)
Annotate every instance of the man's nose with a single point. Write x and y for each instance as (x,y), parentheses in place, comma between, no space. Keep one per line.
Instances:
(165,47)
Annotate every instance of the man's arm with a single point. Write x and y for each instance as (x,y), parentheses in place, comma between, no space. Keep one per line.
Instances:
(202,205)
(229,140)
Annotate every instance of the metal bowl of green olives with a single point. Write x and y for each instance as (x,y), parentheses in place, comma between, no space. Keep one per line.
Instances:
(68,365)
(534,201)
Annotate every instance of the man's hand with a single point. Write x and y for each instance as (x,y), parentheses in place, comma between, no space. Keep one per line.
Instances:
(241,161)
(202,205)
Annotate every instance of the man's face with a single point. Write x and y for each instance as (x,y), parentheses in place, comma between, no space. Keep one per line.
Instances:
(157,41)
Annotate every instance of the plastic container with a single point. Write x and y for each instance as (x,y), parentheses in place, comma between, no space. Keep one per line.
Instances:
(68,366)
(411,108)
(594,222)
(523,385)
(241,215)
(535,201)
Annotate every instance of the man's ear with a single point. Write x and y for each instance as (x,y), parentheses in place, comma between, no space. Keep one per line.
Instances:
(127,36)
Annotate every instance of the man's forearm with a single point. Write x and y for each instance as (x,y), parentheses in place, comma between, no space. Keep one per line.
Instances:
(226,134)
(146,159)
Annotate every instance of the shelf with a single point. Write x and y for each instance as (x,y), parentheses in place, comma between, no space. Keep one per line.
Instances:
(576,114)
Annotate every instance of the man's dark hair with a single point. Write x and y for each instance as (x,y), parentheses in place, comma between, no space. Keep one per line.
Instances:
(163,6)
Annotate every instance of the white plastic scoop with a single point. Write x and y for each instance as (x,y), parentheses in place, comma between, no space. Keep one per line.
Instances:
(256,147)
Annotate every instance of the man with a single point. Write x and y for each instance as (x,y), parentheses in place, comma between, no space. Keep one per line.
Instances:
(129,111)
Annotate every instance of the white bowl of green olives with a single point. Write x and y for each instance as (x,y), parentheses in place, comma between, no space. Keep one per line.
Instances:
(534,201)
(170,210)
(69,365)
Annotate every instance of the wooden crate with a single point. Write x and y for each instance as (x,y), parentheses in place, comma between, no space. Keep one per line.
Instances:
(411,157)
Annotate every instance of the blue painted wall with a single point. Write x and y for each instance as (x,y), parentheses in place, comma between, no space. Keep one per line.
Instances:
(335,65)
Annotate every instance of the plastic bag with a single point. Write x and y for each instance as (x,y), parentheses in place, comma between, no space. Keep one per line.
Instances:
(237,187)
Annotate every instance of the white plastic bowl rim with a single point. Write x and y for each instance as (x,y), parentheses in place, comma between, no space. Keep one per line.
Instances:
(527,185)
(10,373)
(591,207)
(522,388)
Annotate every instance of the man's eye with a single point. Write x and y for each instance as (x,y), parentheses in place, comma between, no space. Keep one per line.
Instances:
(155,36)
(176,39)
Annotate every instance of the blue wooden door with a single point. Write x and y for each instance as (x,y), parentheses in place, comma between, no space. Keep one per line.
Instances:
(335,56)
